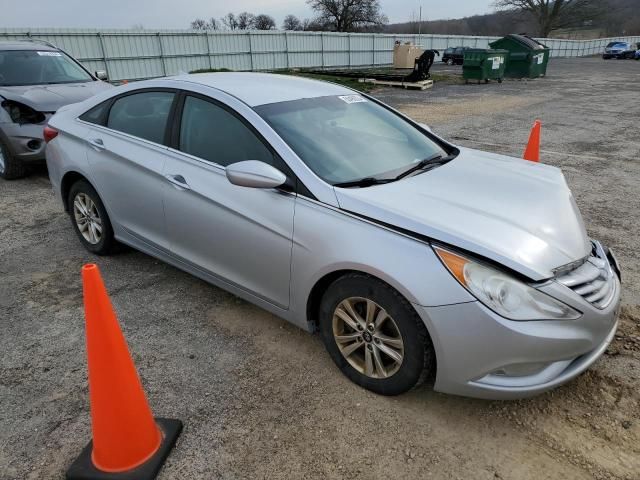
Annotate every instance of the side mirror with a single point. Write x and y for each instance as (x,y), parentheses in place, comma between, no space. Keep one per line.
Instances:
(101,75)
(426,127)
(255,174)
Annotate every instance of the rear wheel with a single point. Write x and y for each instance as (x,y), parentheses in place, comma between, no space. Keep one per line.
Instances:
(89,219)
(374,335)
(10,168)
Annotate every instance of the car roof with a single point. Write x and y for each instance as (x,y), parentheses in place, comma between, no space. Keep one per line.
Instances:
(25,45)
(262,88)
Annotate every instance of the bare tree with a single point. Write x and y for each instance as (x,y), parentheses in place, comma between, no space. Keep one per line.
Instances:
(291,22)
(315,25)
(245,21)
(229,21)
(264,22)
(348,15)
(199,24)
(553,14)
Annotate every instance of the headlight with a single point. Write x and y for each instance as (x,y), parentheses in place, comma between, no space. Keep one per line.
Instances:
(21,113)
(503,293)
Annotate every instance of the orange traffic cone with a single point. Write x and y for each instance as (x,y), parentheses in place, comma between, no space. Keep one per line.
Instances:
(532,152)
(127,442)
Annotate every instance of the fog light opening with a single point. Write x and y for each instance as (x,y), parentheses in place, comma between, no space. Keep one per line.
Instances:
(520,369)
(34,144)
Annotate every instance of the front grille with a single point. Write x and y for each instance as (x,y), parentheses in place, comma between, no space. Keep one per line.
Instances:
(594,280)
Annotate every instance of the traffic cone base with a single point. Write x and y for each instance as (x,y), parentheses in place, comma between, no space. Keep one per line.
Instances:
(84,469)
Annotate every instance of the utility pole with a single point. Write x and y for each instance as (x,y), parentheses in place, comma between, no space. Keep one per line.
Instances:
(420,21)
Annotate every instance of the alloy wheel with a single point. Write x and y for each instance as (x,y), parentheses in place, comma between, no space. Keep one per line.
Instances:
(2,160)
(368,337)
(87,218)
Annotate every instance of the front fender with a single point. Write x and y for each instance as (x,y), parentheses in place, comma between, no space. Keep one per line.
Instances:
(328,240)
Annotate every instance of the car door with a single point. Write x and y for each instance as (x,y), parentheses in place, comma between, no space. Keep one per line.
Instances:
(241,235)
(126,151)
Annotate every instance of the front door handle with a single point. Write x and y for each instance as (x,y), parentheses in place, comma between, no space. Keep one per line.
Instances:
(178,181)
(97,143)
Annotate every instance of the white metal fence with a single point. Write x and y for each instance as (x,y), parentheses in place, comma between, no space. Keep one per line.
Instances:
(138,54)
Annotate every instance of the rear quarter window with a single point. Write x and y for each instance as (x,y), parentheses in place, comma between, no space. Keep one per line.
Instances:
(98,114)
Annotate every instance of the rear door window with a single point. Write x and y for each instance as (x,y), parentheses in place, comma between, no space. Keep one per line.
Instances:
(143,115)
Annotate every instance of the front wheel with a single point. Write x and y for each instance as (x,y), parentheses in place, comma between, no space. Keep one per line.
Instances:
(374,335)
(89,219)
(10,168)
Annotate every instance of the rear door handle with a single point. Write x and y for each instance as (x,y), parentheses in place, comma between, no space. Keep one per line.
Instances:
(97,143)
(178,181)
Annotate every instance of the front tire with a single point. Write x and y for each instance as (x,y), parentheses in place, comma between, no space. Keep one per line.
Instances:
(89,219)
(10,168)
(374,335)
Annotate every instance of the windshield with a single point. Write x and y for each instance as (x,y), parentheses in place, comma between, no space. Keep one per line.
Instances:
(347,138)
(616,44)
(34,67)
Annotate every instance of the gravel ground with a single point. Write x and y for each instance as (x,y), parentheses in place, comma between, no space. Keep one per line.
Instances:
(260,398)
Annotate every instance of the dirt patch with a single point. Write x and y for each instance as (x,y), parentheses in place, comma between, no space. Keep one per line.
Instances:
(627,339)
(436,112)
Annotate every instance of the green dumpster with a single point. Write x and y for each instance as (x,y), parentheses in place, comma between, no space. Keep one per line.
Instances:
(483,65)
(528,58)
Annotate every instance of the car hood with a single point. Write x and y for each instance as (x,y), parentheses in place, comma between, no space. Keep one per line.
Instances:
(517,213)
(49,98)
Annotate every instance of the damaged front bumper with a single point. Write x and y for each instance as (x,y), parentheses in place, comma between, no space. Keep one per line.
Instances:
(481,354)
(25,142)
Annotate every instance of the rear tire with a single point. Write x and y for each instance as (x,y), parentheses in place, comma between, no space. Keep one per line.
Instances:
(10,168)
(89,219)
(374,335)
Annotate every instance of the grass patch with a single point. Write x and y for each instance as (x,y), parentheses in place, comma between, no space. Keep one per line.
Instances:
(210,70)
(347,81)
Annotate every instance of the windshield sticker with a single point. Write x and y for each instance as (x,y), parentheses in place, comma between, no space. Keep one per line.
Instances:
(50,54)
(352,98)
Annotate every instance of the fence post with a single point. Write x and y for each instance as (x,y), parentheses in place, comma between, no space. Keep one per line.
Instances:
(349,47)
(322,64)
(250,52)
(373,50)
(286,47)
(104,55)
(164,67)
(206,39)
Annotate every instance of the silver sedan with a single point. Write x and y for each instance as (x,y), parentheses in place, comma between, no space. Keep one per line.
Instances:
(412,257)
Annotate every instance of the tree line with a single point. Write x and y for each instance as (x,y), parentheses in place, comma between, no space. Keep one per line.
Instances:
(330,15)
(537,17)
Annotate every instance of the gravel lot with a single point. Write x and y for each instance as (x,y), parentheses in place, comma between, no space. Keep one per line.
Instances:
(260,398)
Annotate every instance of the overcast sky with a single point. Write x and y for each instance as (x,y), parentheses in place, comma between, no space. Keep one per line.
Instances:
(179,13)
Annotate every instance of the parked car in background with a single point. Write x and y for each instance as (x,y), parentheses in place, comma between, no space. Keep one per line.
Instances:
(413,257)
(619,50)
(36,79)
(454,55)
